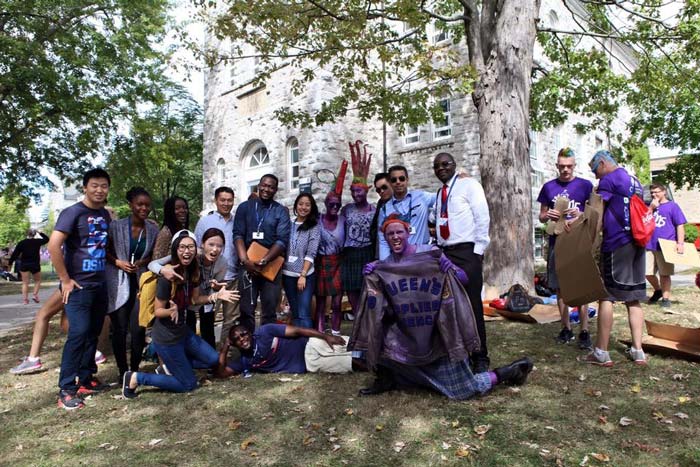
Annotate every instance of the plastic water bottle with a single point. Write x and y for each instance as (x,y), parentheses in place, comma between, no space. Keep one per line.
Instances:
(574,317)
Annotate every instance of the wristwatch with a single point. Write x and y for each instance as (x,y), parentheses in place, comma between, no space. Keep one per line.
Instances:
(263,262)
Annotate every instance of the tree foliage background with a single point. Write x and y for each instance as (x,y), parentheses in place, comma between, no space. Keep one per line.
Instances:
(14,225)
(162,152)
(70,70)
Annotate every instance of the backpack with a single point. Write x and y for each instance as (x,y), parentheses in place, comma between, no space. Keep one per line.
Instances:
(642,221)
(518,300)
(147,297)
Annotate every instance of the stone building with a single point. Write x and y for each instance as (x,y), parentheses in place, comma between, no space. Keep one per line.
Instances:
(243,140)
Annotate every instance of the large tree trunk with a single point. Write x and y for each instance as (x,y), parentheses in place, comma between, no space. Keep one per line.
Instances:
(502,98)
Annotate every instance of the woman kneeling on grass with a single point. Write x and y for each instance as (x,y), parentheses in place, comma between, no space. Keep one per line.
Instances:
(180,349)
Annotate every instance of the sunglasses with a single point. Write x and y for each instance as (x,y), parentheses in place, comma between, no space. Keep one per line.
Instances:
(333,205)
(443,164)
(400,178)
(382,189)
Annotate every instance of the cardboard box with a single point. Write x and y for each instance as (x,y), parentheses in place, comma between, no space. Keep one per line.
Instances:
(672,340)
(689,257)
(579,277)
(540,314)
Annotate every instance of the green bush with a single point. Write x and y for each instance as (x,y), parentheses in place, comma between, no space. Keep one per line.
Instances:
(691,232)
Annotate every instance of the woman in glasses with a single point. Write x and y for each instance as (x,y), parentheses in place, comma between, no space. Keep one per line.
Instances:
(129,250)
(180,349)
(298,275)
(328,283)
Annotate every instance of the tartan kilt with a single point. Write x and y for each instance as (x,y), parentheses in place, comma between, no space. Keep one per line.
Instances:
(354,261)
(328,283)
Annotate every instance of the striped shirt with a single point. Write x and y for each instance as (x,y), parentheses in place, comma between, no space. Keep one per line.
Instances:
(303,246)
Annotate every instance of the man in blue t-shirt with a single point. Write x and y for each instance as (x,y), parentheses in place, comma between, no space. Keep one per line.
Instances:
(576,191)
(77,247)
(281,348)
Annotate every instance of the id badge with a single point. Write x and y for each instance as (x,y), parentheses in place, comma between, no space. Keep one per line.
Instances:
(258,235)
(411,230)
(292,259)
(208,308)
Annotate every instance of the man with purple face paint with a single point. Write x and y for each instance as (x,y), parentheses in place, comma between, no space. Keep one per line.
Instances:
(577,191)
(670,225)
(621,260)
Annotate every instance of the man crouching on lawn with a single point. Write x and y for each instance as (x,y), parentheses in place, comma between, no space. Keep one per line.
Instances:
(280,348)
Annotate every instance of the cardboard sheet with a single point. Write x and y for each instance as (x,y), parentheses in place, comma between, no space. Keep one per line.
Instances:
(672,340)
(540,314)
(689,257)
(579,277)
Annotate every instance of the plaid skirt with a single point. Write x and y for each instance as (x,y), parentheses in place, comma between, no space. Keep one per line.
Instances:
(354,261)
(452,379)
(327,270)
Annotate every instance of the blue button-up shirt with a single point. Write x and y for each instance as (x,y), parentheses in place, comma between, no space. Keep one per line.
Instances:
(270,218)
(413,208)
(216,220)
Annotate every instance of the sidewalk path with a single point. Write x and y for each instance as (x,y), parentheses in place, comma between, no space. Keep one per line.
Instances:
(14,314)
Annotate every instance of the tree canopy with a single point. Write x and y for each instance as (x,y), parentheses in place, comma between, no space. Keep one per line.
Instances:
(14,225)
(69,71)
(162,152)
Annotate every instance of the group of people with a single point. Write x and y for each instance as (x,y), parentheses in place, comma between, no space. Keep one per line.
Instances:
(26,257)
(411,267)
(624,265)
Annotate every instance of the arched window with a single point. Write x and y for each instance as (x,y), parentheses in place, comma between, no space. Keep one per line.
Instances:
(293,158)
(259,157)
(220,172)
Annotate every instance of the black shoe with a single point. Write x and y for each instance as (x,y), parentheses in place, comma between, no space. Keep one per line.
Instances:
(584,340)
(126,390)
(655,296)
(93,386)
(384,382)
(516,373)
(480,364)
(69,400)
(665,303)
(565,336)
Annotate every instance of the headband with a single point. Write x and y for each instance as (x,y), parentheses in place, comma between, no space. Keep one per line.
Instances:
(392,219)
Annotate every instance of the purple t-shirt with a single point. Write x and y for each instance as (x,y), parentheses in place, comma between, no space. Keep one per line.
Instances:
(85,247)
(577,190)
(615,189)
(667,216)
(273,353)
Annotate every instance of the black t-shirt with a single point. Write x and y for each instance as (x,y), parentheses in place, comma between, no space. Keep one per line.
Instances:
(165,330)
(28,250)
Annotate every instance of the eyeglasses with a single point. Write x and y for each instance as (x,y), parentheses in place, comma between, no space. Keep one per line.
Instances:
(443,164)
(186,247)
(382,189)
(400,178)
(333,205)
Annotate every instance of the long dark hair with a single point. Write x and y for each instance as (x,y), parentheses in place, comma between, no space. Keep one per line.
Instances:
(312,219)
(192,270)
(169,218)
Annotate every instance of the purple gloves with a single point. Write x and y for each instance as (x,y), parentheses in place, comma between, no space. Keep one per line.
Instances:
(446,264)
(369,268)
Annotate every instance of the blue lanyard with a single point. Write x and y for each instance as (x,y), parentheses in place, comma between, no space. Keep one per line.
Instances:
(443,209)
(406,217)
(138,242)
(257,215)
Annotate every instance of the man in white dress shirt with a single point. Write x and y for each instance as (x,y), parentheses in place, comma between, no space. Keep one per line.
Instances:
(462,229)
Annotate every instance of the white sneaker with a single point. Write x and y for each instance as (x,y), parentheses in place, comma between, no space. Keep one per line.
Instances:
(636,355)
(99,358)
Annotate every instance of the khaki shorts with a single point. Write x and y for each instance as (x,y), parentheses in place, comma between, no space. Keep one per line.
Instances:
(320,358)
(656,262)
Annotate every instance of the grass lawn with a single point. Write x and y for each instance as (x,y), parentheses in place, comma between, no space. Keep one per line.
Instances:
(568,414)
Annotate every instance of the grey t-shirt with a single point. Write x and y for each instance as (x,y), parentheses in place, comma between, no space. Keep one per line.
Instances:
(165,330)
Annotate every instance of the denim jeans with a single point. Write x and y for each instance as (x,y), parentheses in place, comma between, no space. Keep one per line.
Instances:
(252,286)
(86,313)
(300,302)
(181,359)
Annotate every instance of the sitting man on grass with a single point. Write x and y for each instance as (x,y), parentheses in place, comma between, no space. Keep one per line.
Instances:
(280,348)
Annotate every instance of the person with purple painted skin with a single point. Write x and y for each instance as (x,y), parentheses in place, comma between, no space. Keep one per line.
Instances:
(439,372)
(621,260)
(328,283)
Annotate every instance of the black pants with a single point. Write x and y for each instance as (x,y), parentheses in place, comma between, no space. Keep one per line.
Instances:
(206,324)
(250,287)
(126,319)
(463,256)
